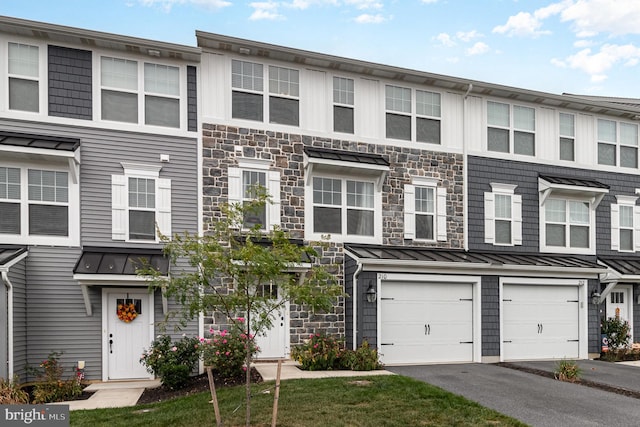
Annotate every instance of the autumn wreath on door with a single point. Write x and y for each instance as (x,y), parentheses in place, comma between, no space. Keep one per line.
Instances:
(128,309)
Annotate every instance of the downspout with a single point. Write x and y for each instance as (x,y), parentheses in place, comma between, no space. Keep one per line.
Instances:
(465,175)
(355,306)
(9,286)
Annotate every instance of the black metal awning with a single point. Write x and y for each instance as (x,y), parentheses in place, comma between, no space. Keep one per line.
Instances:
(39,141)
(573,181)
(9,253)
(346,156)
(120,261)
(623,266)
(414,256)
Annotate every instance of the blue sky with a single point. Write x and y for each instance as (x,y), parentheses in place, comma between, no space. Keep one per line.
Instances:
(575,46)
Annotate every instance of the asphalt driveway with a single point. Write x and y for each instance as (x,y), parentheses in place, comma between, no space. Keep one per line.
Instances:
(530,398)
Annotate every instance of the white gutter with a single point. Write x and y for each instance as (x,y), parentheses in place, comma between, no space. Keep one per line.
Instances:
(4,273)
(355,304)
(465,184)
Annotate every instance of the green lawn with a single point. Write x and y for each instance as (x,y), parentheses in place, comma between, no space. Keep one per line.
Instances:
(366,401)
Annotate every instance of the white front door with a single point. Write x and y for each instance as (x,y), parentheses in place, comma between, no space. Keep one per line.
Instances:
(619,303)
(540,322)
(125,338)
(273,344)
(425,322)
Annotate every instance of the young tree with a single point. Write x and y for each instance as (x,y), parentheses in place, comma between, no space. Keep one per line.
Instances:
(230,266)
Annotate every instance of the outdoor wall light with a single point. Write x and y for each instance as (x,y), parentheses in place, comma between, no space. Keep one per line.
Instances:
(595,298)
(371,292)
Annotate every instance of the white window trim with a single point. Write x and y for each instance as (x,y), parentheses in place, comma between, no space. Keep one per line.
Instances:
(567,249)
(43,87)
(413,114)
(120,201)
(615,222)
(489,214)
(440,214)
(512,129)
(97,92)
(344,237)
(618,144)
(273,188)
(73,206)
(571,137)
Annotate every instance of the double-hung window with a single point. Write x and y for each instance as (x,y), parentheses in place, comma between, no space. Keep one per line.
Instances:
(140,203)
(343,206)
(123,91)
(567,130)
(35,205)
(568,223)
(24,78)
(617,143)
(247,96)
(245,181)
(503,215)
(625,224)
(425,210)
(343,100)
(511,129)
(400,115)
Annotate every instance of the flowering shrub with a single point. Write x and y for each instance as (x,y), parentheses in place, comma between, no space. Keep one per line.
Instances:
(364,358)
(50,386)
(11,393)
(226,352)
(319,353)
(172,362)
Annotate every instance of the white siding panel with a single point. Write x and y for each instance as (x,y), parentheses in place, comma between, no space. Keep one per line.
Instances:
(452,118)
(586,147)
(369,108)
(547,142)
(474,129)
(313,101)
(215,89)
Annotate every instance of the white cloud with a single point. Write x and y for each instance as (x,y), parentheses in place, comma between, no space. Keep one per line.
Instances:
(166,5)
(582,43)
(370,19)
(365,4)
(522,24)
(445,39)
(468,36)
(599,63)
(478,49)
(590,17)
(265,11)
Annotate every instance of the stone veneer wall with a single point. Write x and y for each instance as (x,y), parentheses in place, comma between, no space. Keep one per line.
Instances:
(286,152)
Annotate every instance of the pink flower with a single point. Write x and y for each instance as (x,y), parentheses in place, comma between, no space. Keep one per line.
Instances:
(211,331)
(174,348)
(224,341)
(227,353)
(223,333)
(217,353)
(240,319)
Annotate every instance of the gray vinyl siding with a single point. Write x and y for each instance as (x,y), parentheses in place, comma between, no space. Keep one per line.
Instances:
(192,98)
(17,275)
(102,155)
(367,318)
(56,317)
(102,152)
(483,171)
(70,83)
(490,316)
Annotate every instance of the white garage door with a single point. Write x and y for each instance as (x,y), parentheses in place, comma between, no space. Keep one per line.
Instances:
(426,322)
(540,322)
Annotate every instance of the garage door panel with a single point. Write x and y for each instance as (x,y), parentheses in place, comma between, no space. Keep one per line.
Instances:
(426,322)
(540,322)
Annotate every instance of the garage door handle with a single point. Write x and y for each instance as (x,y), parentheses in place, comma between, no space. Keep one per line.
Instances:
(387,343)
(573,340)
(507,341)
(427,329)
(466,342)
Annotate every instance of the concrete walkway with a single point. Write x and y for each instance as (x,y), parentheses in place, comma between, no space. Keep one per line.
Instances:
(126,393)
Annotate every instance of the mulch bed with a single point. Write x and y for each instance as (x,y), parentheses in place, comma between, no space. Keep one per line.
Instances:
(197,384)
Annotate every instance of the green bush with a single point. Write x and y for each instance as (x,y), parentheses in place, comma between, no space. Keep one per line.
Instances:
(320,353)
(50,386)
(163,358)
(11,393)
(226,352)
(618,333)
(567,370)
(365,358)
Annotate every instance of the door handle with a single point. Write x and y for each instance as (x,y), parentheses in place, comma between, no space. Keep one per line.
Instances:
(425,329)
(110,346)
